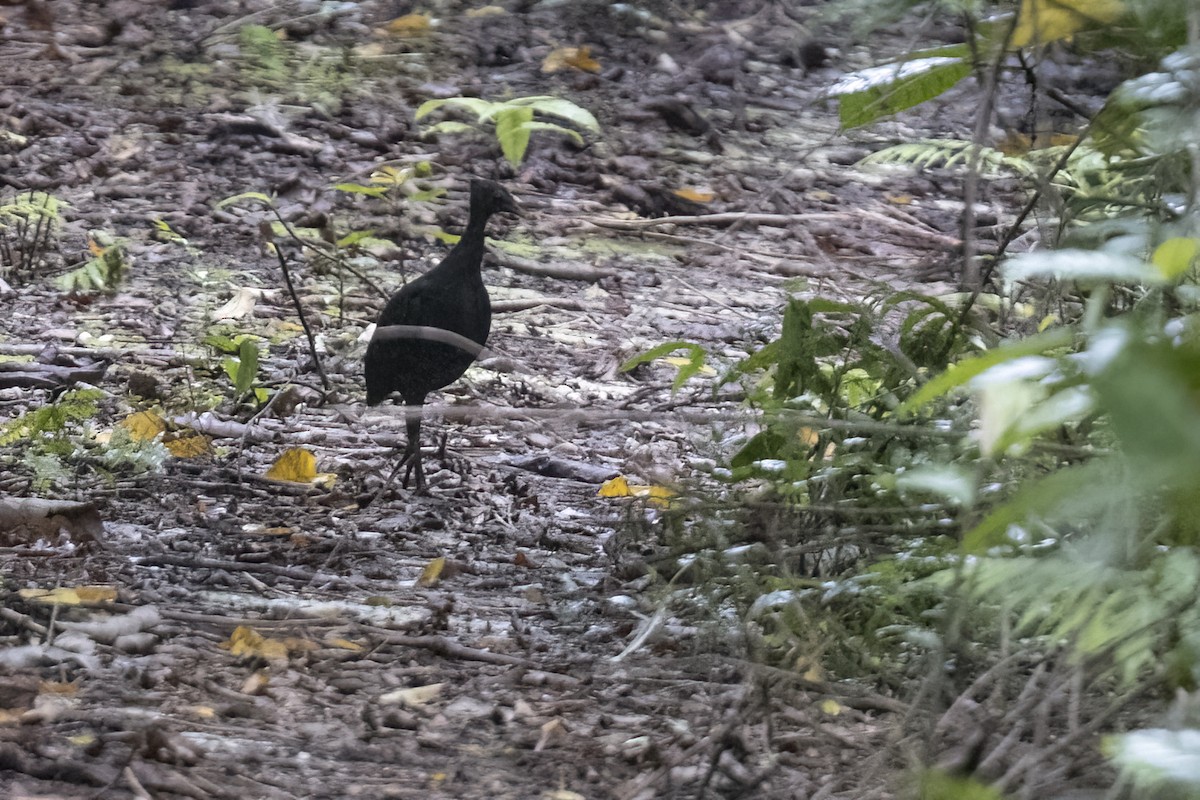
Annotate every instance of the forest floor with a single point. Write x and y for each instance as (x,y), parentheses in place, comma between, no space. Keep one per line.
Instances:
(540,661)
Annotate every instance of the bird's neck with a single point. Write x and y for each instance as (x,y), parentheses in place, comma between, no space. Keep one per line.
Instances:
(469,250)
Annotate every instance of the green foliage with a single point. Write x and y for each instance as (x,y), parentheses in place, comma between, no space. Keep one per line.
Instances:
(936,784)
(55,444)
(264,51)
(697,355)
(241,363)
(29,227)
(52,420)
(513,120)
(1159,762)
(104,271)
(870,94)
(395,183)
(319,76)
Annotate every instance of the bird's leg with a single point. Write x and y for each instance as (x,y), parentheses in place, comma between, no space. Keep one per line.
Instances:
(412,454)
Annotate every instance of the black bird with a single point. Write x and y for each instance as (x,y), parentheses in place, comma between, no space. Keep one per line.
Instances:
(450,297)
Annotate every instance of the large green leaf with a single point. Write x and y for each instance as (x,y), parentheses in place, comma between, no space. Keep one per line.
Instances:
(1085,266)
(555,106)
(869,94)
(968,368)
(512,133)
(482,109)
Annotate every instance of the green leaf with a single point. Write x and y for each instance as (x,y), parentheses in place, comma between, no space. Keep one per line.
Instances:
(220,343)
(1152,758)
(956,484)
(869,94)
(968,368)
(1175,256)
(483,109)
(237,198)
(358,188)
(558,107)
(550,126)
(512,133)
(695,363)
(1094,479)
(1086,266)
(355,237)
(450,126)
(247,368)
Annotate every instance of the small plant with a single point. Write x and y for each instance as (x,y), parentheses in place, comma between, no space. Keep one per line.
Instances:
(513,120)
(389,182)
(240,364)
(29,227)
(57,443)
(104,271)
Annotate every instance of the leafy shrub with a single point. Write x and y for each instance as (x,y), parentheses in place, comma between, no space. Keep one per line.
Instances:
(513,120)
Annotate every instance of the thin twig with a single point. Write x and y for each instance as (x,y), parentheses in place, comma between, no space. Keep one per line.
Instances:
(312,342)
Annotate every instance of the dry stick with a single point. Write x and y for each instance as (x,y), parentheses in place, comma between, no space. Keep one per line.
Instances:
(312,342)
(442,646)
(970,274)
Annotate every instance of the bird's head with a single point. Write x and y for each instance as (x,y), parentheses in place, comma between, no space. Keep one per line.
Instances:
(490,197)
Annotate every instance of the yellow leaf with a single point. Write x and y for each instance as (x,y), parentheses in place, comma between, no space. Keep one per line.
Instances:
(246,642)
(1043,21)
(297,465)
(82,739)
(680,361)
(614,487)
(432,572)
(695,195)
(1175,256)
(620,487)
(193,445)
(808,436)
(409,25)
(900,199)
(579,58)
(344,644)
(204,712)
(71,596)
(831,707)
(144,426)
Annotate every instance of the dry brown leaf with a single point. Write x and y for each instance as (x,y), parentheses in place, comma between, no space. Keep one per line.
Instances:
(246,642)
(695,195)
(189,445)
(71,596)
(486,11)
(408,25)
(240,306)
(553,732)
(144,426)
(579,58)
(256,682)
(413,696)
